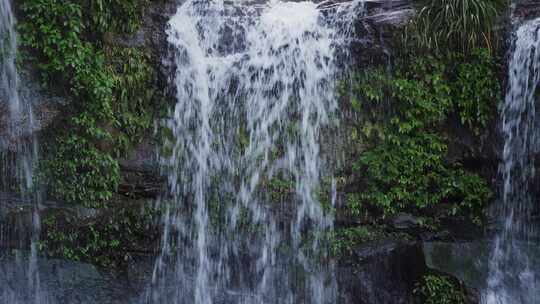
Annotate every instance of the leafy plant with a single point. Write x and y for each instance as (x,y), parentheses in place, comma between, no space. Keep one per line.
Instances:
(104,240)
(115,15)
(405,166)
(80,172)
(343,241)
(110,89)
(133,94)
(476,88)
(437,289)
(460,25)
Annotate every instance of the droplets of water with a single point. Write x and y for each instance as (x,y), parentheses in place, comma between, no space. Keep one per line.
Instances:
(512,279)
(9,78)
(19,141)
(255,87)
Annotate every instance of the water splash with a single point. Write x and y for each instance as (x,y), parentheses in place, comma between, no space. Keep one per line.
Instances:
(255,87)
(512,279)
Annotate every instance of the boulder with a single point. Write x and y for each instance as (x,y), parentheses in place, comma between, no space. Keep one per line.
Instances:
(381,272)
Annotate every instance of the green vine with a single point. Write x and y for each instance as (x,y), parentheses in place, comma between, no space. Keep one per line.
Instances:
(110,90)
(405,166)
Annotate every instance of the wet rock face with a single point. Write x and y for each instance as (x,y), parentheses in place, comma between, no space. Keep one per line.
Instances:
(69,281)
(15,221)
(381,272)
(140,176)
(404,221)
(467,261)
(375,30)
(152,38)
(45,109)
(112,237)
(381,19)
(527,9)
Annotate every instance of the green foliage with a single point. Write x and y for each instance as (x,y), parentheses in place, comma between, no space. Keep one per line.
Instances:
(103,242)
(475,89)
(409,173)
(405,172)
(436,289)
(344,241)
(354,202)
(115,15)
(133,93)
(459,25)
(80,172)
(110,89)
(280,188)
(54,28)
(405,167)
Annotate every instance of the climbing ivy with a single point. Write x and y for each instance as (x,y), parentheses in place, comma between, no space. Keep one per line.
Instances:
(405,165)
(109,88)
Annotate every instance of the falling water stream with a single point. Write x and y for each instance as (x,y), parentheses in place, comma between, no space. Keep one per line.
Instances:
(512,277)
(255,89)
(9,78)
(20,143)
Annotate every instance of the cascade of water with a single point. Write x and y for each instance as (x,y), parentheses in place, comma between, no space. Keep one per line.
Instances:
(512,279)
(255,87)
(19,140)
(8,75)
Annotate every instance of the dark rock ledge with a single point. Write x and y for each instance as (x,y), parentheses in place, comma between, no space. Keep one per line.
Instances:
(381,272)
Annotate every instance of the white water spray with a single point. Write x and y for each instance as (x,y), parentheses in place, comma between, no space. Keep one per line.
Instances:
(9,79)
(255,87)
(19,140)
(512,279)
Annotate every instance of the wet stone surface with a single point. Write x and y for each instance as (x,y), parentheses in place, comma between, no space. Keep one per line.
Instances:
(66,282)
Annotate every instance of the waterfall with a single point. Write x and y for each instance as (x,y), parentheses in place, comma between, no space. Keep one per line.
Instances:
(8,74)
(255,90)
(18,145)
(512,278)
